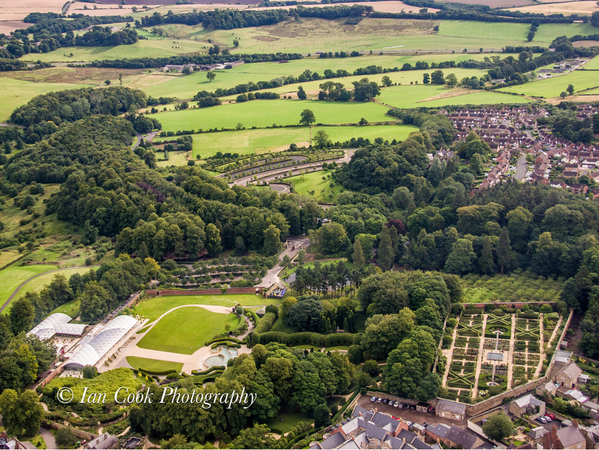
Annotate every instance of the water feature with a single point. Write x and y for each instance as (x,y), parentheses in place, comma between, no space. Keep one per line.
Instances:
(224,355)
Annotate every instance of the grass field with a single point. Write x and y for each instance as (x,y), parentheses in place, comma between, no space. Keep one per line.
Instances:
(258,141)
(155,307)
(9,256)
(186,329)
(14,93)
(153,365)
(71,308)
(147,48)
(553,87)
(37,284)
(166,84)
(433,96)
(509,288)
(262,113)
(592,64)
(13,276)
(567,8)
(174,159)
(313,185)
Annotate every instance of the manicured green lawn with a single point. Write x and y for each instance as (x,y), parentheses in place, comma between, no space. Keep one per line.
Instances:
(279,325)
(553,87)
(185,330)
(14,93)
(592,64)
(313,185)
(263,113)
(13,276)
(155,307)
(153,365)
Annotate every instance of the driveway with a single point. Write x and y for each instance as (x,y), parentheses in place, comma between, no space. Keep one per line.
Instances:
(272,276)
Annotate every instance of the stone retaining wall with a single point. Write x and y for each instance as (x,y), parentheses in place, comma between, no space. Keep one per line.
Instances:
(162,292)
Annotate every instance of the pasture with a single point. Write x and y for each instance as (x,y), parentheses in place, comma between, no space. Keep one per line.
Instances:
(13,276)
(9,256)
(263,113)
(153,308)
(246,142)
(71,308)
(153,365)
(37,284)
(313,185)
(185,330)
(14,93)
(553,87)
(431,96)
(159,84)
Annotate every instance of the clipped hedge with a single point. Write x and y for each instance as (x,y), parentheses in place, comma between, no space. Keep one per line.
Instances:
(208,371)
(226,344)
(154,372)
(266,323)
(253,315)
(307,338)
(223,340)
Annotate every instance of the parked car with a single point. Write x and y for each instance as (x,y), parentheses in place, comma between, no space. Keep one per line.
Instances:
(373,399)
(380,400)
(548,419)
(396,404)
(425,424)
(542,419)
(431,409)
(551,416)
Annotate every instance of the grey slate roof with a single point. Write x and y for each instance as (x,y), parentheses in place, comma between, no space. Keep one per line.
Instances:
(438,429)
(570,435)
(461,437)
(451,407)
(333,441)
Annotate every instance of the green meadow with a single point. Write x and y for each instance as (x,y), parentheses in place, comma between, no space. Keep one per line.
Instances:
(418,96)
(13,276)
(186,329)
(553,87)
(14,93)
(318,185)
(37,284)
(263,113)
(158,84)
(267,140)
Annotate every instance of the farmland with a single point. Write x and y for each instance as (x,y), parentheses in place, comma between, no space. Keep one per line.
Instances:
(263,113)
(566,8)
(159,84)
(245,142)
(186,329)
(553,87)
(433,96)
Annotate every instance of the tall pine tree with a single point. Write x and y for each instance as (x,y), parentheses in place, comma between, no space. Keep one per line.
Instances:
(485,262)
(358,255)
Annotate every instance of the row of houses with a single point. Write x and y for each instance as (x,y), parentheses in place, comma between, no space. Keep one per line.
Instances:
(508,130)
(371,429)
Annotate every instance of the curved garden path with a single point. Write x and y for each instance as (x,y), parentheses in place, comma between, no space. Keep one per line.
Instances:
(7,302)
(190,362)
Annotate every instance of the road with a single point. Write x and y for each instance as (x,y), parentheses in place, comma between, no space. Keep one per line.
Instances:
(521,168)
(281,188)
(147,137)
(272,276)
(48,437)
(7,302)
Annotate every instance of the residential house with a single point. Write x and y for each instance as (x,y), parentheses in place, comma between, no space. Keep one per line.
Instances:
(527,405)
(568,375)
(536,435)
(568,438)
(450,410)
(459,438)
